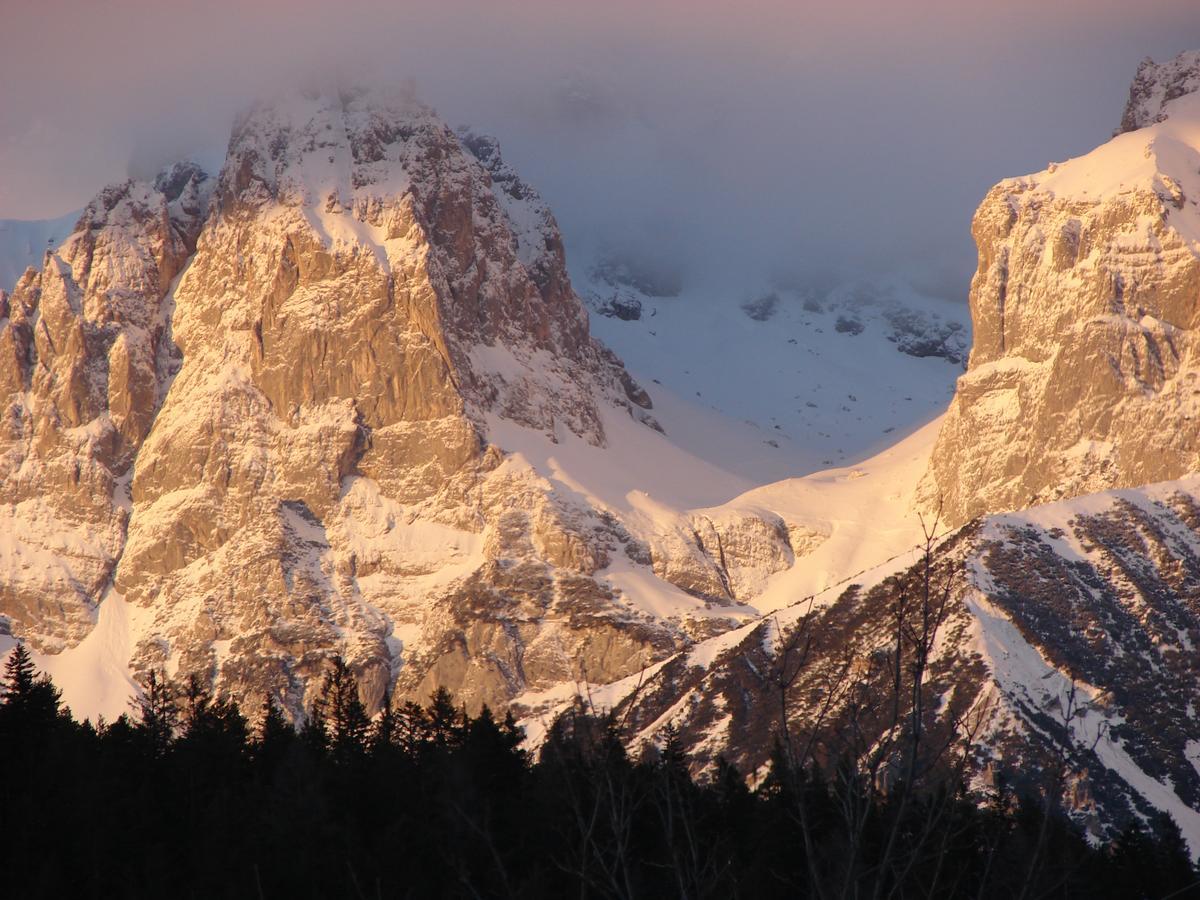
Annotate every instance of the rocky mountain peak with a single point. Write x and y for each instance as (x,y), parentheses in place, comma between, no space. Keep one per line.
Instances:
(1155,85)
(1083,372)
(378,171)
(263,415)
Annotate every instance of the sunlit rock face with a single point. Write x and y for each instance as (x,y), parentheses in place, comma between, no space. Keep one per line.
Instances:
(256,406)
(1086,302)
(85,355)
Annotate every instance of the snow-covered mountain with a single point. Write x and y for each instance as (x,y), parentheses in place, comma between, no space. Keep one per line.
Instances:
(1085,368)
(343,398)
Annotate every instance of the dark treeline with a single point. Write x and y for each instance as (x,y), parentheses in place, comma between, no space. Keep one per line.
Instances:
(189,797)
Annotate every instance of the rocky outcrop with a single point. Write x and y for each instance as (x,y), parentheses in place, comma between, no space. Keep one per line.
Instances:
(1067,644)
(1083,373)
(85,356)
(922,335)
(617,303)
(1155,85)
(727,555)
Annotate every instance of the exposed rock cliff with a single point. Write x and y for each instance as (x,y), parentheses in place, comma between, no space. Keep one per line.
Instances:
(1155,85)
(85,355)
(1086,303)
(264,418)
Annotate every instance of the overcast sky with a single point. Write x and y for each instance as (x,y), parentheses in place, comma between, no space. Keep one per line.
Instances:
(733,137)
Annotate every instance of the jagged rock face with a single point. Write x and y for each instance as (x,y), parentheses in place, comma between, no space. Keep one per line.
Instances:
(727,555)
(85,352)
(1155,85)
(257,408)
(1085,308)
(1096,594)
(362,296)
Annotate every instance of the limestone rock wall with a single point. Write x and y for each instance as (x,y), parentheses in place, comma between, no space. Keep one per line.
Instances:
(256,408)
(1086,302)
(85,354)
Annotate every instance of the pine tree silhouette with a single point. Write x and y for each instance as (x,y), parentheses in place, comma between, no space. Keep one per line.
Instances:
(384,731)
(412,727)
(445,720)
(29,704)
(157,713)
(19,673)
(345,715)
(275,737)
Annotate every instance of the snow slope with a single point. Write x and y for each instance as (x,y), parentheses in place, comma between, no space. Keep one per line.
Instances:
(868,512)
(818,378)
(94,677)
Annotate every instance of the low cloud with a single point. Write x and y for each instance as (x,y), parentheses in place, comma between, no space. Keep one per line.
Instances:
(826,139)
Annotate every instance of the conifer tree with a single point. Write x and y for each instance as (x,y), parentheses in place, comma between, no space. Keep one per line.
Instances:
(412,727)
(19,674)
(347,718)
(157,713)
(196,700)
(212,726)
(274,737)
(491,750)
(384,730)
(445,720)
(314,732)
(29,704)
(673,758)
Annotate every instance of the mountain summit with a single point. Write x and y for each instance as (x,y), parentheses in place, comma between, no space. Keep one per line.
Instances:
(254,417)
(1085,369)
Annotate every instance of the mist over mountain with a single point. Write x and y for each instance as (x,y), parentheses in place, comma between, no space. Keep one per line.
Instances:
(783,138)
